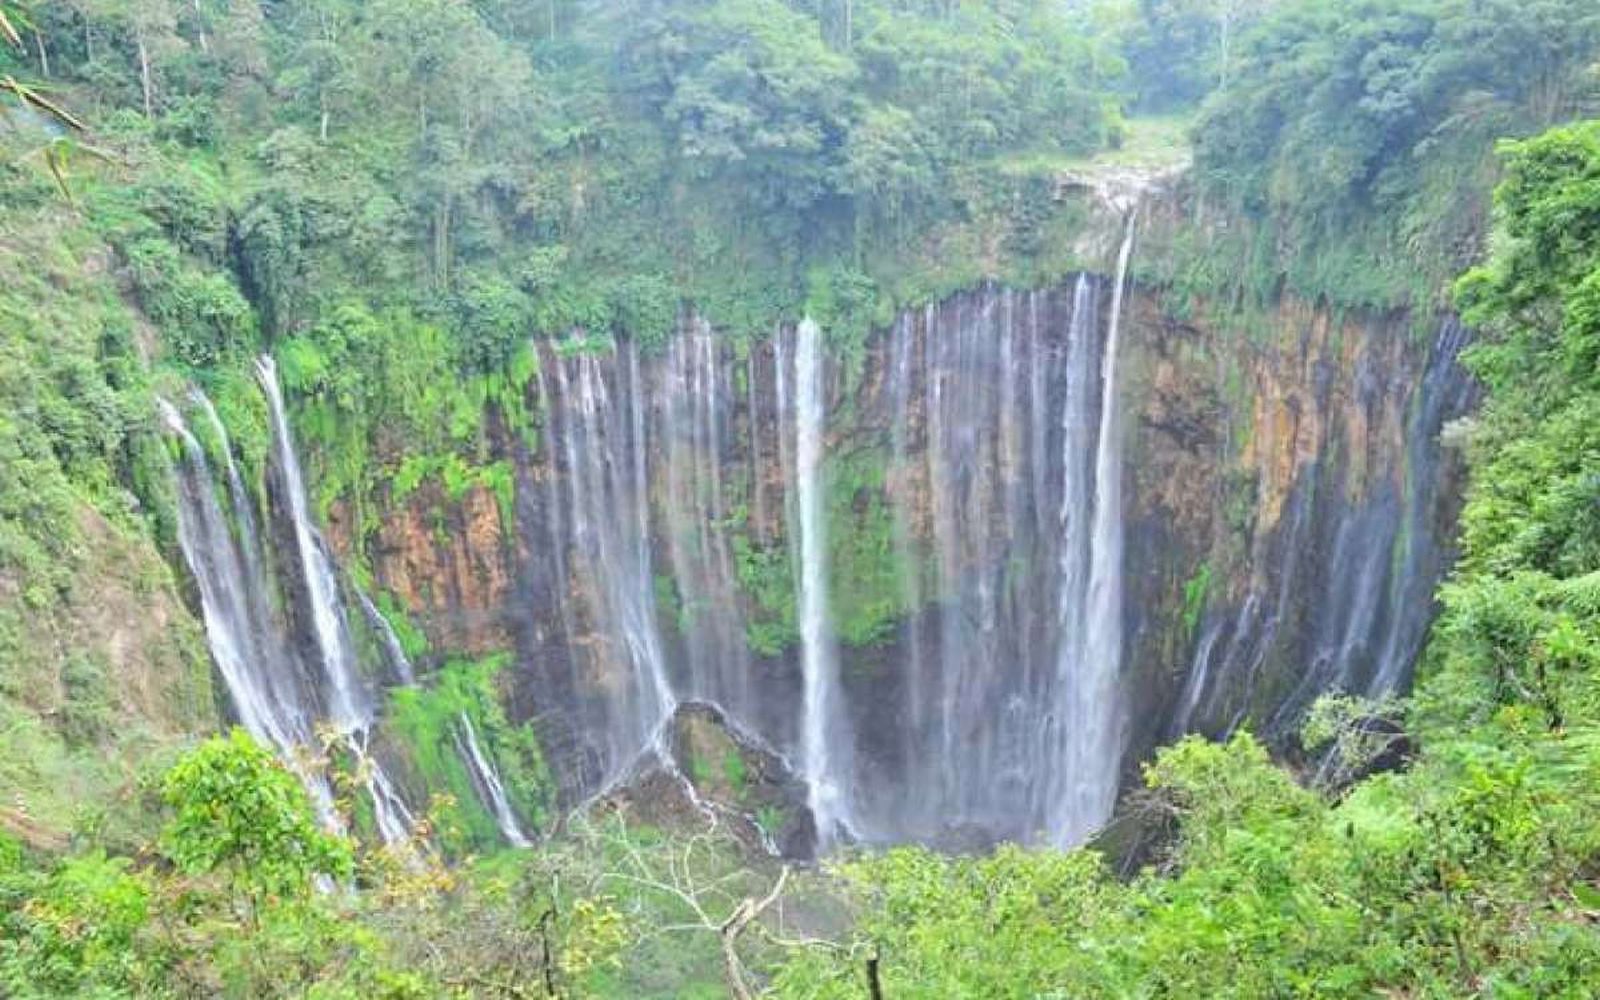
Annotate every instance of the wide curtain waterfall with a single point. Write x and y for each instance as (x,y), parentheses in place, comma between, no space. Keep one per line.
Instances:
(993,710)
(902,564)
(1371,561)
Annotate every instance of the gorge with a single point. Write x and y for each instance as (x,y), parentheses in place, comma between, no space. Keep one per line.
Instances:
(962,579)
(779,498)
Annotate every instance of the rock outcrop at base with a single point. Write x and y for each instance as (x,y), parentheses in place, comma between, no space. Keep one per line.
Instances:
(714,772)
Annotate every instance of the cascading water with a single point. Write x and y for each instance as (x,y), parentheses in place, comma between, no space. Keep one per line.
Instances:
(393,651)
(992,413)
(900,483)
(278,698)
(389,810)
(486,777)
(1372,559)
(691,414)
(692,549)
(613,632)
(244,517)
(1092,763)
(348,705)
(261,679)
(1445,393)
(821,744)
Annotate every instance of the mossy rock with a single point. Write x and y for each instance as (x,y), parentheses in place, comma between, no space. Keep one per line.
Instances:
(741,775)
(716,768)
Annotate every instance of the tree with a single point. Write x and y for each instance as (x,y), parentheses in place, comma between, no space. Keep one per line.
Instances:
(153,26)
(322,61)
(1181,50)
(752,95)
(80,930)
(236,807)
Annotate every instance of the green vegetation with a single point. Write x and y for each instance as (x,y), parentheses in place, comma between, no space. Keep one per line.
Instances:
(554,168)
(99,668)
(427,722)
(865,598)
(237,808)
(397,197)
(231,910)
(1353,142)
(1470,873)
(231,913)
(1196,591)
(767,576)
(1473,885)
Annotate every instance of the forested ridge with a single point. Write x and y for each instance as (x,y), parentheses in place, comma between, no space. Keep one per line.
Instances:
(402,199)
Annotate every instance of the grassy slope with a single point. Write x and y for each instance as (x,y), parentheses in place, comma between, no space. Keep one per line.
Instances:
(102,668)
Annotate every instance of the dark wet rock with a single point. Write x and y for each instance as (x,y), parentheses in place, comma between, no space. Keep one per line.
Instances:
(720,773)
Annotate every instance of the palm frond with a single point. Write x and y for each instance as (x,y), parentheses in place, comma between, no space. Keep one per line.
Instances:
(31,95)
(10,30)
(55,157)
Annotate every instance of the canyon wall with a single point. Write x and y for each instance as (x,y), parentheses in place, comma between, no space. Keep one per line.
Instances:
(1285,509)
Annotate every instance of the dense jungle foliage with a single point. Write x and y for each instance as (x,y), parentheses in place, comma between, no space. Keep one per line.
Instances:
(392,195)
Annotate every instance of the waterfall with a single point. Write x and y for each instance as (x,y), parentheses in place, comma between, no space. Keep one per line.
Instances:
(993,708)
(348,706)
(996,412)
(243,515)
(253,663)
(275,695)
(389,811)
(901,487)
(1093,700)
(821,708)
(1372,559)
(1074,709)
(691,416)
(602,453)
(285,680)
(487,779)
(1200,670)
(393,651)
(1445,393)
(1001,511)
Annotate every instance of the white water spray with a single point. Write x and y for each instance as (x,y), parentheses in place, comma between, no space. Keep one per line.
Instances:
(347,701)
(821,712)
(488,777)
(244,645)
(392,648)
(1091,710)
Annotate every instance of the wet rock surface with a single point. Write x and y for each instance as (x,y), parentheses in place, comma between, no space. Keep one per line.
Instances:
(715,772)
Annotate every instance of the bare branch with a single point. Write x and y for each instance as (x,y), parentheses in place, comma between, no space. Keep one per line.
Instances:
(746,911)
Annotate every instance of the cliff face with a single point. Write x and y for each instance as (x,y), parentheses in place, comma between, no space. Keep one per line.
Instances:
(1295,509)
(454,559)
(1285,510)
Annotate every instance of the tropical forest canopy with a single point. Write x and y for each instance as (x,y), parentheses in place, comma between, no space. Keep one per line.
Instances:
(393,195)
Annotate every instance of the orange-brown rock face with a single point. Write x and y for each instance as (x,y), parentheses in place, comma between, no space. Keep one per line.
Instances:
(447,564)
(1291,504)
